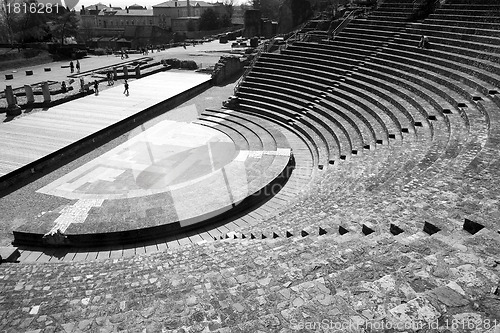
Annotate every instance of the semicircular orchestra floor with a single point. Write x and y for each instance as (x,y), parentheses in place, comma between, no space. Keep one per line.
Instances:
(170,176)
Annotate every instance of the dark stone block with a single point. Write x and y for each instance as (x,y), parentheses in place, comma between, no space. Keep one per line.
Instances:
(405,130)
(392,136)
(29,73)
(9,76)
(288,234)
(343,157)
(395,230)
(322,231)
(235,237)
(342,230)
(252,236)
(496,291)
(492,92)
(320,166)
(477,98)
(432,117)
(367,230)
(331,162)
(430,229)
(418,124)
(354,152)
(275,235)
(462,105)
(304,233)
(447,111)
(243,236)
(366,147)
(264,236)
(379,142)
(47,69)
(472,227)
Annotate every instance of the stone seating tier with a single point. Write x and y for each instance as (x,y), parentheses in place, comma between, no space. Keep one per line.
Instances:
(493,20)
(345,133)
(360,66)
(365,116)
(328,147)
(305,64)
(312,250)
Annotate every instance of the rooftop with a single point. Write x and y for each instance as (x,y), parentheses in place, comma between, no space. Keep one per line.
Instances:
(170,4)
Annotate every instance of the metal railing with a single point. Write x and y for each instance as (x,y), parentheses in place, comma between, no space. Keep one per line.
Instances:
(344,23)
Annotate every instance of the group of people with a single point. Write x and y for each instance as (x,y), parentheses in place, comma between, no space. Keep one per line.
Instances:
(96,87)
(124,54)
(72,66)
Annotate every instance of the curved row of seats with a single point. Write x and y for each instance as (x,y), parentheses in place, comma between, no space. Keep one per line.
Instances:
(428,84)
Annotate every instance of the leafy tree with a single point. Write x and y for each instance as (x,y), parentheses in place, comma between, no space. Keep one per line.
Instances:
(22,25)
(33,26)
(65,24)
(229,5)
(209,20)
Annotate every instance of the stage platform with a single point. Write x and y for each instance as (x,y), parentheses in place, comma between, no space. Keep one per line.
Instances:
(31,142)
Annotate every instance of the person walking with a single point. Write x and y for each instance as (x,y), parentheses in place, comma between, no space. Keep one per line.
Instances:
(78,66)
(72,67)
(96,87)
(126,88)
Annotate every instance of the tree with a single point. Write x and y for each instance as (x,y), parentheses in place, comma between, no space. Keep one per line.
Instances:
(229,5)
(209,20)
(33,24)
(21,22)
(65,24)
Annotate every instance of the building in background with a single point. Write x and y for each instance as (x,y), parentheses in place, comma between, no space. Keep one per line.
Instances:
(137,26)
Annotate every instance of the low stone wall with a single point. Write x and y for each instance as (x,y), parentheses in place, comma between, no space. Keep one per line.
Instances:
(226,68)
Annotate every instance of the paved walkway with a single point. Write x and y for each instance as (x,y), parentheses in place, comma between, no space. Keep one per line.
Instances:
(205,55)
(28,139)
